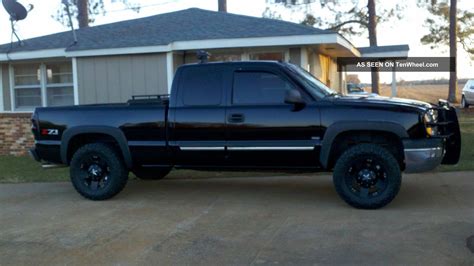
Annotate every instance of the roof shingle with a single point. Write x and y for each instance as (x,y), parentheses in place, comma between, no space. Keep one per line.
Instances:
(186,25)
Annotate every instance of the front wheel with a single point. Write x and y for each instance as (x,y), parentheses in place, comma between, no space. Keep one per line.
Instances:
(367,176)
(464,103)
(98,171)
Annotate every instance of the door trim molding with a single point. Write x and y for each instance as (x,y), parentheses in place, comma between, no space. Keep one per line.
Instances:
(202,148)
(303,148)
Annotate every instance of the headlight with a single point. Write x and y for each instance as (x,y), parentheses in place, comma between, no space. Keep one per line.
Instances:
(430,117)
(430,131)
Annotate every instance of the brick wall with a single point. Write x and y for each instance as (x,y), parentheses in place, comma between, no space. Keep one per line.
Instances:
(15,133)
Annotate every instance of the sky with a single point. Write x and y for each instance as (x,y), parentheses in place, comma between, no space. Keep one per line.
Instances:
(408,30)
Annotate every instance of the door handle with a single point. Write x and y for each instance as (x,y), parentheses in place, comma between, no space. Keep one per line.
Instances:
(236,118)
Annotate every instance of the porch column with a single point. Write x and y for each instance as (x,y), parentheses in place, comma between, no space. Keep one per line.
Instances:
(75,81)
(343,80)
(394,81)
(169,70)
(304,58)
(2,107)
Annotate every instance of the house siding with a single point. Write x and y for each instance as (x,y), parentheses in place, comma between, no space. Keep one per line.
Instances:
(334,76)
(295,56)
(178,60)
(115,79)
(325,69)
(6,87)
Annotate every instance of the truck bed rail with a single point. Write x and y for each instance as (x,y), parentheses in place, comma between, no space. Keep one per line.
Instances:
(149,99)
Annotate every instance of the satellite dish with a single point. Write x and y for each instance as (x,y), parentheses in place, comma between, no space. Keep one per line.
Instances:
(16,10)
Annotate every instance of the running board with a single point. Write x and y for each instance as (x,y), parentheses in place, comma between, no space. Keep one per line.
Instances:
(52,166)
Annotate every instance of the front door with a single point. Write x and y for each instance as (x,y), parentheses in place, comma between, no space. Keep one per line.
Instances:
(262,130)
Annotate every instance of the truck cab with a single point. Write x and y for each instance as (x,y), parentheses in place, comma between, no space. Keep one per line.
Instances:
(241,116)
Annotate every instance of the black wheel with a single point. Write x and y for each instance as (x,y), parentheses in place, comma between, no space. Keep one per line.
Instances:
(464,103)
(98,171)
(367,176)
(152,173)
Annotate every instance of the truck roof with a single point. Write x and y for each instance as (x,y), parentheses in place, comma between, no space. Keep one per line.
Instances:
(250,62)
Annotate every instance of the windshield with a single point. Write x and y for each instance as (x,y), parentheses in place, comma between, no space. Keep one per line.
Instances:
(312,84)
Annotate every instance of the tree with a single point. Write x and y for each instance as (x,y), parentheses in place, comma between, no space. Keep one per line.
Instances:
(373,42)
(449,26)
(269,13)
(222,6)
(453,49)
(85,11)
(352,19)
(353,79)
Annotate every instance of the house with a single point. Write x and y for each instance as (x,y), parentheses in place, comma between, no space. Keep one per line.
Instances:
(112,62)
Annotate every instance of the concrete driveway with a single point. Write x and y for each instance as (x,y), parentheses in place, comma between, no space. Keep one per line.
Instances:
(275,220)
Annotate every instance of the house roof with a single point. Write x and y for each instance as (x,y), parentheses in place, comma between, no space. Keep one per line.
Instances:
(186,25)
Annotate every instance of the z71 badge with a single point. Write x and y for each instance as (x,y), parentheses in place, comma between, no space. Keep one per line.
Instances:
(50,132)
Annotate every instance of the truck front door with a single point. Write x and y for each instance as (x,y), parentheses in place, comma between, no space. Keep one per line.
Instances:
(264,131)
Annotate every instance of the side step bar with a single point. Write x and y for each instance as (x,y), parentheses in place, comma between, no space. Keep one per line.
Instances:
(52,166)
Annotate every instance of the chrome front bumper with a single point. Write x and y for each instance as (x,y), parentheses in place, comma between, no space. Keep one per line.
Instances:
(422,156)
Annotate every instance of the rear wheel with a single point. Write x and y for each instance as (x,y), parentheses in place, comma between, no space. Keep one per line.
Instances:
(367,176)
(152,173)
(98,171)
(464,103)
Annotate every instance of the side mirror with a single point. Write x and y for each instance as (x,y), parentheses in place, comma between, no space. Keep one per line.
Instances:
(293,97)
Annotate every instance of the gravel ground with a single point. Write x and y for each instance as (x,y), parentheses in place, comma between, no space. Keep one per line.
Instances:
(240,221)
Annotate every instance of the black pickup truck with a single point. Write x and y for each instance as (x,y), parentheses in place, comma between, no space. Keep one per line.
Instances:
(249,115)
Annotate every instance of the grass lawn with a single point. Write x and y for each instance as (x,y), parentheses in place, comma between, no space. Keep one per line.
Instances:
(24,169)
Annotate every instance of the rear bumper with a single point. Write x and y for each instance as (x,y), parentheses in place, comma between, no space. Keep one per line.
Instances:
(34,154)
(423,155)
(46,151)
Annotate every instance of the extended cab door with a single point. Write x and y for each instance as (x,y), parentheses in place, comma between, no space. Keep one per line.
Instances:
(264,131)
(197,116)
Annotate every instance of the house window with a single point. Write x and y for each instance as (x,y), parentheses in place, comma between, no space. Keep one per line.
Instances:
(49,84)
(27,86)
(268,56)
(59,84)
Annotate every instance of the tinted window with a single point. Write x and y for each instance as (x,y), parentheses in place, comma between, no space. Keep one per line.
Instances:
(201,86)
(259,88)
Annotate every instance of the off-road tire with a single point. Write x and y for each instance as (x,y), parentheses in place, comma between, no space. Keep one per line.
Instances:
(383,158)
(152,174)
(117,172)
